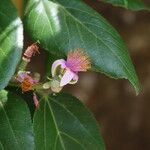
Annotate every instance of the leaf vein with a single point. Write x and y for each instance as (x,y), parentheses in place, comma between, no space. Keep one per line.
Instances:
(45,125)
(113,52)
(68,111)
(73,139)
(56,126)
(1,145)
(11,129)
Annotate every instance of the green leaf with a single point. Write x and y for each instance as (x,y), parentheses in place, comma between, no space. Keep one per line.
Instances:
(11,41)
(62,122)
(25,3)
(129,4)
(62,25)
(27,97)
(15,123)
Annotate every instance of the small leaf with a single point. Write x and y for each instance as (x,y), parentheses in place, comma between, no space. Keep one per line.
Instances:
(62,122)
(15,123)
(11,41)
(61,25)
(129,4)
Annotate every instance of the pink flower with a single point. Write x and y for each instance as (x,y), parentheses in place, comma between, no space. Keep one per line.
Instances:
(26,81)
(77,61)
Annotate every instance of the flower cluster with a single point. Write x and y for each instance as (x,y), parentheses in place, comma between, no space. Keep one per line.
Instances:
(27,82)
(63,71)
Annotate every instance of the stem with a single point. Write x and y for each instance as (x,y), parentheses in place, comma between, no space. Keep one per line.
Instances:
(14,84)
(38,86)
(22,65)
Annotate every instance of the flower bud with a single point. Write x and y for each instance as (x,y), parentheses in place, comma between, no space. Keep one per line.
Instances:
(55,86)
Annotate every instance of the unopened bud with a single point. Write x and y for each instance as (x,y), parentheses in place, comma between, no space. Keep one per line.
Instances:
(46,85)
(55,86)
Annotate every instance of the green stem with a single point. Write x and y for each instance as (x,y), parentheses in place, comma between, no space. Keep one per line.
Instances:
(37,87)
(22,65)
(14,84)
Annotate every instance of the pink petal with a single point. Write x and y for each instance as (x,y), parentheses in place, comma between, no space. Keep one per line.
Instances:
(32,80)
(75,79)
(56,64)
(67,77)
(21,76)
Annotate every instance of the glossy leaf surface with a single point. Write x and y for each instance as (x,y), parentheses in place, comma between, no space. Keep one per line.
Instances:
(129,4)
(15,123)
(62,122)
(62,25)
(27,97)
(11,41)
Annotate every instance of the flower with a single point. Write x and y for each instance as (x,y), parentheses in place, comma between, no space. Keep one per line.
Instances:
(77,61)
(26,81)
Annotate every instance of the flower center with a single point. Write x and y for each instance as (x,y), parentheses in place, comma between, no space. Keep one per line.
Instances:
(26,85)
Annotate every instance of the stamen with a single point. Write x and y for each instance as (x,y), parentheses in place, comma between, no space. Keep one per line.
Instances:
(78,60)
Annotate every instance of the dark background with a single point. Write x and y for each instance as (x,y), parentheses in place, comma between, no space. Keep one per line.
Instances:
(124,118)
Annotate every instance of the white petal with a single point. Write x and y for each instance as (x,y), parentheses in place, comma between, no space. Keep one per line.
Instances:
(74,80)
(56,64)
(67,77)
